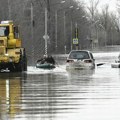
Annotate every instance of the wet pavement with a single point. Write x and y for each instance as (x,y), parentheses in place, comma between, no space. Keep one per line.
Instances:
(62,95)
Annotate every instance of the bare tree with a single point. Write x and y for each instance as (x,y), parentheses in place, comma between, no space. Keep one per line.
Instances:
(118,6)
(109,24)
(92,8)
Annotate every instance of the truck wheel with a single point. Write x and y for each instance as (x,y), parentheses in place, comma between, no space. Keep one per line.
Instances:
(19,65)
(22,65)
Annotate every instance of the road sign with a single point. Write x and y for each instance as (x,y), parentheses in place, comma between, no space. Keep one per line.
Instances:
(46,37)
(75,41)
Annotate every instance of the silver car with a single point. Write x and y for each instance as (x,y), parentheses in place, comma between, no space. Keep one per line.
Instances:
(80,59)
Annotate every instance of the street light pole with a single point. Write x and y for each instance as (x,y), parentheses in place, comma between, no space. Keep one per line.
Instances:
(65,47)
(65,31)
(9,10)
(56,27)
(46,31)
(64,17)
(71,33)
(56,31)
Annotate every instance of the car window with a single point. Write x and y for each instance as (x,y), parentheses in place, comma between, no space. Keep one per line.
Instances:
(91,56)
(79,55)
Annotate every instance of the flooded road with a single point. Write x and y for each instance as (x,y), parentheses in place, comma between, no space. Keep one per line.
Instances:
(62,95)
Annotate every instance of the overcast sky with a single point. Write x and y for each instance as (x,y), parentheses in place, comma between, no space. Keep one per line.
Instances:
(112,3)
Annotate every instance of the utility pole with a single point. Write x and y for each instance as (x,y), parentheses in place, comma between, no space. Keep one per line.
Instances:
(56,27)
(32,37)
(31,20)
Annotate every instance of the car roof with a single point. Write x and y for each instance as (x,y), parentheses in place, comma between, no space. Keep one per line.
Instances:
(79,51)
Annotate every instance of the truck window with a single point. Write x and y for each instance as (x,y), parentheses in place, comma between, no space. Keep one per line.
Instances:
(16,32)
(4,31)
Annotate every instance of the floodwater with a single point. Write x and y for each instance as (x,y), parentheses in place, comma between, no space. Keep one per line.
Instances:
(62,95)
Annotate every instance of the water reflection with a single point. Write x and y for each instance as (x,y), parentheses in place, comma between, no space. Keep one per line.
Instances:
(59,94)
(50,95)
(81,73)
(45,95)
(10,95)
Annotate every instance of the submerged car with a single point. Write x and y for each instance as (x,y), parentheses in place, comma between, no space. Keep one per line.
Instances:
(80,59)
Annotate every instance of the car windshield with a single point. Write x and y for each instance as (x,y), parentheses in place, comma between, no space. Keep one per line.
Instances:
(79,55)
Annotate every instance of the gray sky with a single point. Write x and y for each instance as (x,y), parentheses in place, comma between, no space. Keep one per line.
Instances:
(112,3)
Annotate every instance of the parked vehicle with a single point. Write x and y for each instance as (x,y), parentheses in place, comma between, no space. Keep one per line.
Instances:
(80,59)
(117,63)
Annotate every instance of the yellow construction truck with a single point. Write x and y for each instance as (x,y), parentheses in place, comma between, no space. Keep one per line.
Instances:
(12,55)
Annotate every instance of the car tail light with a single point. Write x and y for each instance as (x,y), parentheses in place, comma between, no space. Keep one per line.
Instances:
(88,61)
(70,61)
